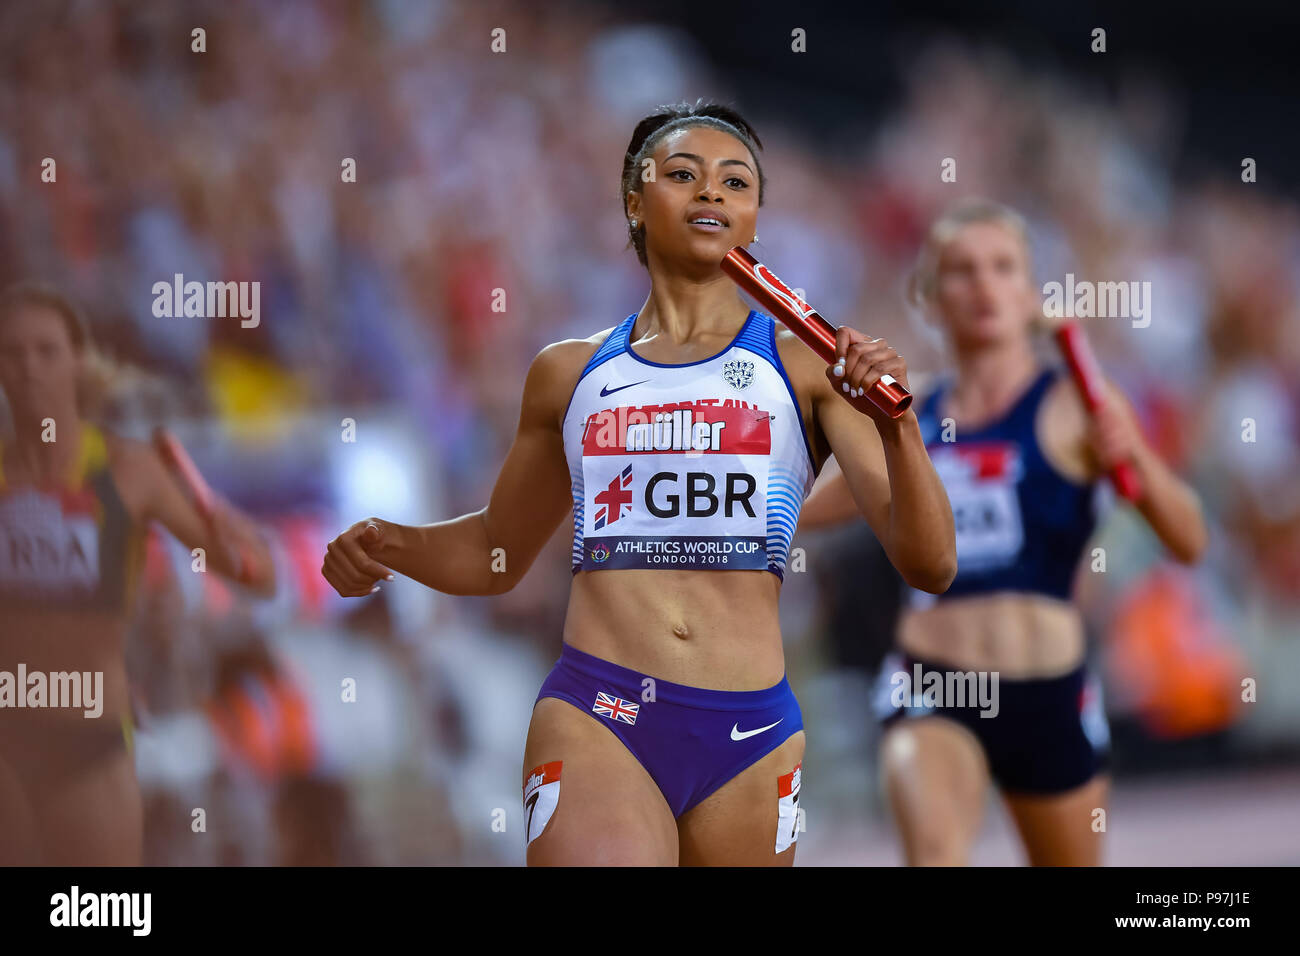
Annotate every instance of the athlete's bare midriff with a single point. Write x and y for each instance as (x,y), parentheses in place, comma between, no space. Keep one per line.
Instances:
(1020,635)
(714,629)
(55,641)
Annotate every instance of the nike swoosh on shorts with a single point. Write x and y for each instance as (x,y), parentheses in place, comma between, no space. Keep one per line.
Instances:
(738,734)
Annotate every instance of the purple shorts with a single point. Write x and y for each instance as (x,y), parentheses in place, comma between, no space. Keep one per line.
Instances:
(690,740)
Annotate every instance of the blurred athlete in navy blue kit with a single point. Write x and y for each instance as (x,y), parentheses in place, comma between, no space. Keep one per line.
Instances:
(684,440)
(1021,460)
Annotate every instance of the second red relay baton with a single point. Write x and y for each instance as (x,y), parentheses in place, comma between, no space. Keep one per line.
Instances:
(1087,377)
(182,465)
(887,393)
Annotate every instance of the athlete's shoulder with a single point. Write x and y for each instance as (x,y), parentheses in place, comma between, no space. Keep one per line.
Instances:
(1060,427)
(554,372)
(132,462)
(1062,405)
(1063,409)
(1062,390)
(136,469)
(119,450)
(114,441)
(569,355)
(796,357)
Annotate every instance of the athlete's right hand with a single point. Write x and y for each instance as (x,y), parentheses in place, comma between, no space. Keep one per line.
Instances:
(349,565)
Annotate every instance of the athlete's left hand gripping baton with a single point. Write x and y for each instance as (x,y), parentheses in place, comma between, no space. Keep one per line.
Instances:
(803,320)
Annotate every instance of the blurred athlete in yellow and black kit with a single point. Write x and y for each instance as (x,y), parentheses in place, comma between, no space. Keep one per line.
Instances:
(75,502)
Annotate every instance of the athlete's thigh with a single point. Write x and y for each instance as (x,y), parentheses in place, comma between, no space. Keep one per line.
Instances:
(19,838)
(609,809)
(738,824)
(1059,830)
(94,818)
(936,776)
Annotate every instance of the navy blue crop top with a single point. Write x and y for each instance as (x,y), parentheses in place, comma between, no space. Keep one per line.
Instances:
(1021,525)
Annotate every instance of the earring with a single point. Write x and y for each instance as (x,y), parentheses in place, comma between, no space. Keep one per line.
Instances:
(634,225)
(755,239)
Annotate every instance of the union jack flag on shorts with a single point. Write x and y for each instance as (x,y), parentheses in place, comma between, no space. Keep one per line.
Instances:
(615,708)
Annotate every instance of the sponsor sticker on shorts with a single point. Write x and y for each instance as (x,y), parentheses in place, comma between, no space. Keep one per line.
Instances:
(787,813)
(541,794)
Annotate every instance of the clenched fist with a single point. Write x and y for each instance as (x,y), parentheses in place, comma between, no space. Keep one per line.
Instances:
(862,361)
(350,566)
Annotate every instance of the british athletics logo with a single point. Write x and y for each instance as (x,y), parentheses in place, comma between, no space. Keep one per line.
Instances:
(615,708)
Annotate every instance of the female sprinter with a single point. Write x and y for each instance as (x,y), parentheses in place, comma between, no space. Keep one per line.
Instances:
(1020,459)
(685,439)
(75,501)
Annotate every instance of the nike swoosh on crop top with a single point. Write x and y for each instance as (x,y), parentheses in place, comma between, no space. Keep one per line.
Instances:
(69,546)
(1021,525)
(698,466)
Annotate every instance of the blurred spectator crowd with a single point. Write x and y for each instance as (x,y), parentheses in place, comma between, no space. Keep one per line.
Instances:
(479,171)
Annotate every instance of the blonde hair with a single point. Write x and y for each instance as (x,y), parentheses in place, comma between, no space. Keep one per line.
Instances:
(97,371)
(923,280)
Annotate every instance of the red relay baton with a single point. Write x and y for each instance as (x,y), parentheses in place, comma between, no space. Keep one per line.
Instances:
(182,465)
(1087,377)
(804,321)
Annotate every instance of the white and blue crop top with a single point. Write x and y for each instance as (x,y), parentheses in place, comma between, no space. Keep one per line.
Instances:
(697,466)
